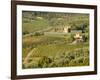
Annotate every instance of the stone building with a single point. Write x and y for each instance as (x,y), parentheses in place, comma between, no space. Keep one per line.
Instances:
(67,29)
(78,38)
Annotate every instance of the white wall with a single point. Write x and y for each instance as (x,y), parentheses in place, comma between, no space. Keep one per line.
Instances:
(5,32)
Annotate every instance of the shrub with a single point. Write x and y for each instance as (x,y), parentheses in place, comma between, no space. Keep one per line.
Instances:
(38,33)
(25,32)
(33,65)
(81,60)
(71,56)
(44,61)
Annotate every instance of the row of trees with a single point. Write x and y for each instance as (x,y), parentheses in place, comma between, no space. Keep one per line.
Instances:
(49,15)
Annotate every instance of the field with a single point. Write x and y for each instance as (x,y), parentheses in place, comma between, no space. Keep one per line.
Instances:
(50,39)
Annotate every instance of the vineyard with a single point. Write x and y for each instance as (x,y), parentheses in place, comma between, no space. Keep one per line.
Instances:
(45,44)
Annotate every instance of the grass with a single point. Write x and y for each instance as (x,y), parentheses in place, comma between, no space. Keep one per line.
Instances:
(32,26)
(54,49)
(60,59)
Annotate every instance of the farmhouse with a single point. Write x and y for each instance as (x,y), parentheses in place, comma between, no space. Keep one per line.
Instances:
(65,29)
(78,38)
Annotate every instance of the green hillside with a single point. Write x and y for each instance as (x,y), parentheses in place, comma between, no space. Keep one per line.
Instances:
(50,39)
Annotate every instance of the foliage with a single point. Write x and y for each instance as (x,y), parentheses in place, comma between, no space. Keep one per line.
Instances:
(49,47)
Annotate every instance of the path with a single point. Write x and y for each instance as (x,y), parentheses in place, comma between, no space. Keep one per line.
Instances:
(28,55)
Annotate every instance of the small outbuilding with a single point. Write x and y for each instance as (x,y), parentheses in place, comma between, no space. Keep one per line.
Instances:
(78,38)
